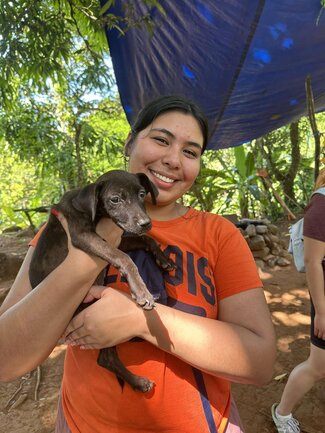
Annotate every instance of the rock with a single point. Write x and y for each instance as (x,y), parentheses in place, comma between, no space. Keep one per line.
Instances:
(281,261)
(276,250)
(273,229)
(9,265)
(12,229)
(260,254)
(260,264)
(256,242)
(265,241)
(271,262)
(250,230)
(261,230)
(29,232)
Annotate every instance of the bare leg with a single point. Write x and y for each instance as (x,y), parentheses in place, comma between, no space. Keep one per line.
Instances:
(302,379)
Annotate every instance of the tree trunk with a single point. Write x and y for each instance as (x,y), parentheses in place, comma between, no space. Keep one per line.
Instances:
(313,124)
(288,180)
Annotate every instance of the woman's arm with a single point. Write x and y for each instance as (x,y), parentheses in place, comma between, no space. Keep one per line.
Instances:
(314,253)
(32,321)
(240,346)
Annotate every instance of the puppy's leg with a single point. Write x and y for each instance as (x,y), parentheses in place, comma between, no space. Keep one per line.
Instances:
(131,243)
(108,358)
(91,243)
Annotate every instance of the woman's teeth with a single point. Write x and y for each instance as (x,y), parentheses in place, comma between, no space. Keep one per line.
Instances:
(163,178)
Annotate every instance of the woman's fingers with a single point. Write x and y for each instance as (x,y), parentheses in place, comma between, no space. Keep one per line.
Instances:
(95,292)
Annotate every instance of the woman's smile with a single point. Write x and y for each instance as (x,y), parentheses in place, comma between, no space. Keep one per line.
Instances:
(163,178)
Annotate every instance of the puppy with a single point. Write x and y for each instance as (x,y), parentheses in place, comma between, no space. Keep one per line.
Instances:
(118,195)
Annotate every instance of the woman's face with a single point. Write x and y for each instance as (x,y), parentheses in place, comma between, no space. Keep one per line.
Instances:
(168,151)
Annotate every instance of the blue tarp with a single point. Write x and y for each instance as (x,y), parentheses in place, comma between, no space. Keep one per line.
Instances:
(243,61)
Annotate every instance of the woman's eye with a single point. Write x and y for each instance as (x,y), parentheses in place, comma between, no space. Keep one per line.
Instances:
(190,153)
(115,199)
(161,140)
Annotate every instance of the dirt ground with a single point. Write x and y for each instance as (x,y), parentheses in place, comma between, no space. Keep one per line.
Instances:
(28,404)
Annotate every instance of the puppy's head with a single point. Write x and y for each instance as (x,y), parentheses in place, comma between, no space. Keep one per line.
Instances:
(118,195)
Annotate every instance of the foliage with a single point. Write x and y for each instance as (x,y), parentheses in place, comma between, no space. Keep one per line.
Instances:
(40,37)
(38,159)
(61,123)
(227,182)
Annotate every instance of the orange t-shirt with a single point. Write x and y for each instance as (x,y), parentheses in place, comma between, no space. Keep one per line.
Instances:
(213,262)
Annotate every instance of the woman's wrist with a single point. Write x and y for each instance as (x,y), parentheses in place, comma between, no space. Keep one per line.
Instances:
(83,265)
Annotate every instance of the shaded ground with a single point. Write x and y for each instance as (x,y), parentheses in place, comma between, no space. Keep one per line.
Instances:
(287,297)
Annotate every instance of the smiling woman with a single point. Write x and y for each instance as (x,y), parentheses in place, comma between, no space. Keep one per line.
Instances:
(168,151)
(210,326)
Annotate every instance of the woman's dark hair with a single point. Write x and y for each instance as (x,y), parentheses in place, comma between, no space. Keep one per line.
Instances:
(170,103)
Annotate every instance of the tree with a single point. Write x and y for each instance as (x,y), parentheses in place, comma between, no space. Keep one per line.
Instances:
(39,37)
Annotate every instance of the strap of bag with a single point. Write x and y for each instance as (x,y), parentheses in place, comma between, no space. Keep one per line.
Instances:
(319,191)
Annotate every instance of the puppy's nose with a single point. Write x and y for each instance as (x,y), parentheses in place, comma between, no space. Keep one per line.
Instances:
(145,224)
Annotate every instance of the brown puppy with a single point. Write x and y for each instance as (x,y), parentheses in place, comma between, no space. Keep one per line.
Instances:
(118,195)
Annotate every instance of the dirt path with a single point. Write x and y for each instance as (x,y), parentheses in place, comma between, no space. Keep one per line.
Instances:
(287,298)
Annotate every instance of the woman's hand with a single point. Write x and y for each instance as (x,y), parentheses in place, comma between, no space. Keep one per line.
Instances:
(113,319)
(109,231)
(319,325)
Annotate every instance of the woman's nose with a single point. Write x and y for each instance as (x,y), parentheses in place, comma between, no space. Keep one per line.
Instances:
(172,157)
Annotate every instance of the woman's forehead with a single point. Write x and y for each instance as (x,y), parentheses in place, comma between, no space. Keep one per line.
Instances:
(176,122)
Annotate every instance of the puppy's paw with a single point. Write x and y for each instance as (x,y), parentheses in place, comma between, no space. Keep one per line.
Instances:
(143,384)
(146,304)
(165,263)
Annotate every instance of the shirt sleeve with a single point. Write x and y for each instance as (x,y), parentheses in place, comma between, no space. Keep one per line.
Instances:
(35,239)
(314,218)
(235,269)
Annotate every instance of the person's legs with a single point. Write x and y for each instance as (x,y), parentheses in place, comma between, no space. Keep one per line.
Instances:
(302,379)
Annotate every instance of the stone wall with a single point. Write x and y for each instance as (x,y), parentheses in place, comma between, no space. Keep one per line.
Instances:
(268,245)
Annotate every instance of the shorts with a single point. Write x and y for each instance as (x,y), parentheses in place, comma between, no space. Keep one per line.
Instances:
(319,342)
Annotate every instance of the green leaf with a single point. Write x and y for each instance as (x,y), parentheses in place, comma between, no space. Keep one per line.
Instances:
(107,6)
(255,191)
(250,164)
(240,160)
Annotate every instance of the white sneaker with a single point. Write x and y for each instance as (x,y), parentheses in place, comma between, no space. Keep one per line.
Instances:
(289,425)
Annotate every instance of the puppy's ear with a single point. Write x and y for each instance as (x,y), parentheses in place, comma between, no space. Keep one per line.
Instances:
(149,186)
(86,200)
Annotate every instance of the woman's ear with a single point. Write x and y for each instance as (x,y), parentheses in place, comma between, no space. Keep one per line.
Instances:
(128,144)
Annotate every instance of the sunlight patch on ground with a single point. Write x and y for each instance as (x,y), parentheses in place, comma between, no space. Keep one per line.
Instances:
(268,296)
(57,350)
(301,293)
(263,275)
(283,343)
(294,319)
(294,296)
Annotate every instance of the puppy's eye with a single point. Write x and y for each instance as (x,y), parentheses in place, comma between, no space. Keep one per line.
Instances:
(115,199)
(142,195)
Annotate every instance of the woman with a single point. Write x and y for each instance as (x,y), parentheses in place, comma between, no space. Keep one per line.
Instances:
(305,375)
(213,328)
